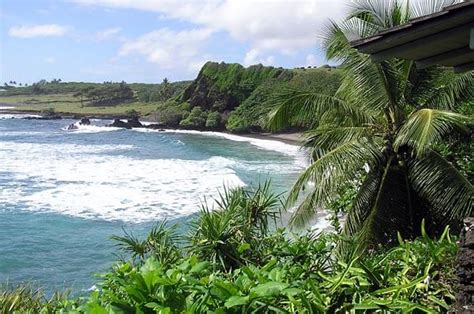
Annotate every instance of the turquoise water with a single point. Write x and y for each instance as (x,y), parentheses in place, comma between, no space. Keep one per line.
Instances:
(64,193)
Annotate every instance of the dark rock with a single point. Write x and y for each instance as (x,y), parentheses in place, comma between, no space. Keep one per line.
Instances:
(465,269)
(72,127)
(45,117)
(134,123)
(120,124)
(85,121)
(155,126)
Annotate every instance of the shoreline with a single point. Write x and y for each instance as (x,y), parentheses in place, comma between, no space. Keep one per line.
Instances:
(291,138)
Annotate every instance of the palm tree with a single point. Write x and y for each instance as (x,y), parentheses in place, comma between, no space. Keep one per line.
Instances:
(382,122)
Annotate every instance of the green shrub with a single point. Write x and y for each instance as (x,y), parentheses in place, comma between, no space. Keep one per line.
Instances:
(299,276)
(213,120)
(132,113)
(233,262)
(196,119)
(170,114)
(48,111)
(27,299)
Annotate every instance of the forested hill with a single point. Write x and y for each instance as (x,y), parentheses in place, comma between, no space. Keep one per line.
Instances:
(236,98)
(222,86)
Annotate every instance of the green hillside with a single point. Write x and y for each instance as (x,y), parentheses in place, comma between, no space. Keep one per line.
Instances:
(222,97)
(235,98)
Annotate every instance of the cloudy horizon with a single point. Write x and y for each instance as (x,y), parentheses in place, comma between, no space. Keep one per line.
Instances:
(147,40)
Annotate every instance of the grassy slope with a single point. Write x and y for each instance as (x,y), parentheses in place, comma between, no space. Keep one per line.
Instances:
(65,103)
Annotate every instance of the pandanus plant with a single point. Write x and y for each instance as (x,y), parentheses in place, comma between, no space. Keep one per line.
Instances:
(383,121)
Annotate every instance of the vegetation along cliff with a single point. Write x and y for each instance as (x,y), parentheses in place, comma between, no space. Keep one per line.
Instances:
(232,97)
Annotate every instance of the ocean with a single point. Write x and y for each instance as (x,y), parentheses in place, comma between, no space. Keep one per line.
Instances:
(63,194)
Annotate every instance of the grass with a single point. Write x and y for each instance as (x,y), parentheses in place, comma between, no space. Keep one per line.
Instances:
(66,103)
(39,99)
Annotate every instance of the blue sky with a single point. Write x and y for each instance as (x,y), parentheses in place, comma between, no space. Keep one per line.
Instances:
(147,40)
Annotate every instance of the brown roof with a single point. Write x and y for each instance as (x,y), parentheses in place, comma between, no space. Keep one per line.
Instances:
(445,38)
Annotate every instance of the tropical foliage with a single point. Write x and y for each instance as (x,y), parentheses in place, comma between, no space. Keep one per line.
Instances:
(233,261)
(382,125)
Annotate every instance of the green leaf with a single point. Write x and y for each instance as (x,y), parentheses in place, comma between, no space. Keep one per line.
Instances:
(243,247)
(427,126)
(199,267)
(268,289)
(236,301)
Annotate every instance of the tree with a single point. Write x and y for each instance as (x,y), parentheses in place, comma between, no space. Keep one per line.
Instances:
(213,120)
(382,124)
(196,119)
(166,90)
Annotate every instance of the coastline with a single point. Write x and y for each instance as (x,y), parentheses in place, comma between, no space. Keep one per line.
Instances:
(293,138)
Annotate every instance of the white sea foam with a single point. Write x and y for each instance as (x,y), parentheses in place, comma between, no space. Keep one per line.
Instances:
(274,145)
(5,116)
(75,180)
(79,128)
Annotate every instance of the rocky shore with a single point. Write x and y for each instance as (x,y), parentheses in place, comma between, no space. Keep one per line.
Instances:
(127,122)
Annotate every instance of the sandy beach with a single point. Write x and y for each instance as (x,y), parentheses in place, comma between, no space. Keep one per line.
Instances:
(288,138)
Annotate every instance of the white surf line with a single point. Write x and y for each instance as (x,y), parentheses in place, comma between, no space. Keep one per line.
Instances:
(268,144)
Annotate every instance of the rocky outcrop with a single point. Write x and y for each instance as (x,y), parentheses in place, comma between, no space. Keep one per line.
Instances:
(44,117)
(134,123)
(465,269)
(120,124)
(156,126)
(85,121)
(222,87)
(131,123)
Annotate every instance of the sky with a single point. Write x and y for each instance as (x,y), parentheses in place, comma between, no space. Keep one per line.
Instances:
(147,40)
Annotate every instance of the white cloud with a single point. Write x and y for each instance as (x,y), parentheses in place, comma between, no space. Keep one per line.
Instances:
(50,60)
(29,31)
(311,60)
(169,48)
(254,56)
(107,33)
(277,26)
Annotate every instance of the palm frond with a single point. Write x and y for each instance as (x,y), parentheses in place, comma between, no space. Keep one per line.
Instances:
(364,83)
(329,171)
(438,182)
(427,126)
(426,7)
(303,107)
(130,244)
(362,203)
(383,207)
(420,84)
(380,14)
(328,137)
(459,87)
